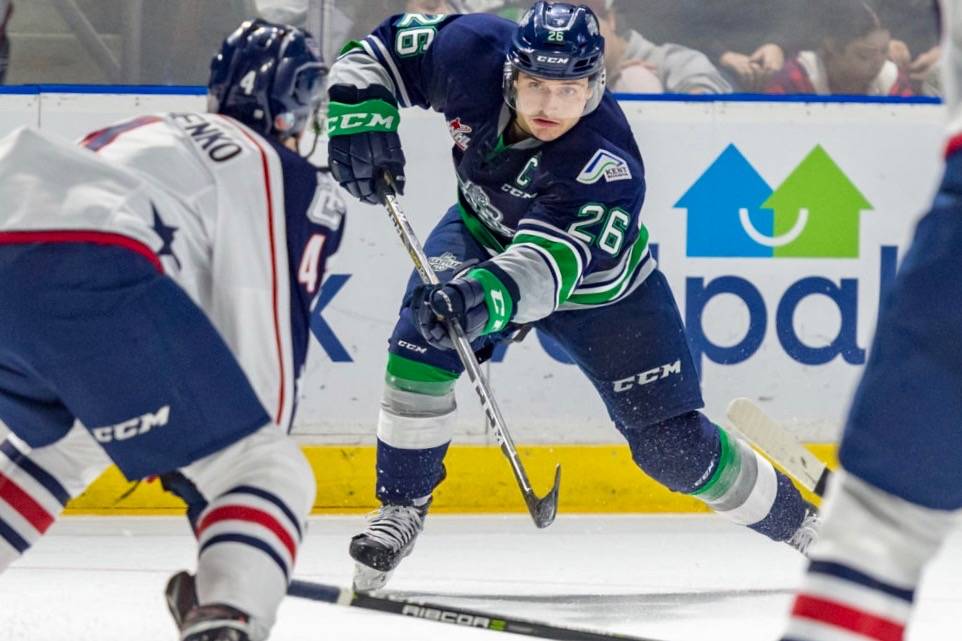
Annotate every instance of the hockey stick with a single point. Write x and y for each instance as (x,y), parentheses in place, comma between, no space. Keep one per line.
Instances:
(766,434)
(445,614)
(542,510)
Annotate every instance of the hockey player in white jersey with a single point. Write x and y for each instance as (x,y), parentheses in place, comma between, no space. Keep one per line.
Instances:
(155,289)
(900,488)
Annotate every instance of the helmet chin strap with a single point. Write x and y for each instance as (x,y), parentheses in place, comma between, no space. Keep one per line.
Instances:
(317,125)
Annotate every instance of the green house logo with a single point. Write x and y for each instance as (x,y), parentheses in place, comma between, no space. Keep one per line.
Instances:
(733,212)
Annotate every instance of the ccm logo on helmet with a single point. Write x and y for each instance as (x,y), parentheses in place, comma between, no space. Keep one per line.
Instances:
(553,60)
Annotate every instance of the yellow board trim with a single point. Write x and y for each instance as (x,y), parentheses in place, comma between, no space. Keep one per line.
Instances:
(594,479)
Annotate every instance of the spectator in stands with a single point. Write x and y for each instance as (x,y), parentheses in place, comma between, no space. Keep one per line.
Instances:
(851,59)
(636,65)
(6,10)
(915,39)
(430,7)
(748,40)
(292,12)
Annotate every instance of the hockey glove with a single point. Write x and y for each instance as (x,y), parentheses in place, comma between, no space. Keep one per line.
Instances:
(362,125)
(478,302)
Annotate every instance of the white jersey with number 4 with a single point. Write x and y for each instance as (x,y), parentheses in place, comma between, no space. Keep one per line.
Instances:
(243,224)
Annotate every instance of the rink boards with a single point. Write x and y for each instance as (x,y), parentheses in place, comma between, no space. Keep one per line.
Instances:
(594,479)
(777,224)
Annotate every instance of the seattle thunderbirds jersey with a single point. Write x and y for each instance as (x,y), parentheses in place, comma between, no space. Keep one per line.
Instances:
(244,225)
(561,219)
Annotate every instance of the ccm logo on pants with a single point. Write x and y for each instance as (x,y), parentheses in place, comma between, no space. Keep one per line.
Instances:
(133,427)
(648,376)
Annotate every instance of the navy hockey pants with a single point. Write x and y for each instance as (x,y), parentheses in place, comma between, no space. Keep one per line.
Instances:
(904,432)
(98,334)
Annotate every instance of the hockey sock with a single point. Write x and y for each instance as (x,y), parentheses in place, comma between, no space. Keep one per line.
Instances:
(414,431)
(866,564)
(30,500)
(748,490)
(35,485)
(690,454)
(260,491)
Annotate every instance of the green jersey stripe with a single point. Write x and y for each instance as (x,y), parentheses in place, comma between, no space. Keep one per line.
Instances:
(604,279)
(606,293)
(478,230)
(565,259)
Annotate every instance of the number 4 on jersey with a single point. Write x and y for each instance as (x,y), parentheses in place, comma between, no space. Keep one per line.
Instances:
(309,271)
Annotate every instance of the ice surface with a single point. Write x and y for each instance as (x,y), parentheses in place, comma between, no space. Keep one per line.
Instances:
(677,578)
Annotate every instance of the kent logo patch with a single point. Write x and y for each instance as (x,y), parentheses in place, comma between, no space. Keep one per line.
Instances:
(604,164)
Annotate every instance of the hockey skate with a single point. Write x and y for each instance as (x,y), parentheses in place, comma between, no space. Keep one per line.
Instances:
(807,532)
(202,622)
(389,537)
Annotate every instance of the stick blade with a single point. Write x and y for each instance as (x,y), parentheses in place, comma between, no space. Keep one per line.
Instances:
(769,436)
(543,511)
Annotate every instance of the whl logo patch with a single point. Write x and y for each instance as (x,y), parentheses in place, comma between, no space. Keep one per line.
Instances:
(459,131)
(604,164)
(733,212)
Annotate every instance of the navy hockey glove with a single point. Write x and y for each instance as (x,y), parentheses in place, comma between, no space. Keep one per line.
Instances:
(478,302)
(362,125)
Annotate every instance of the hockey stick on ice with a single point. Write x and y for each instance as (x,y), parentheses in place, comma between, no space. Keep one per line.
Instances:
(542,510)
(445,614)
(766,434)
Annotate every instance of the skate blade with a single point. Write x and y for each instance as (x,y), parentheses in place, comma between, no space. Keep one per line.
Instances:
(368,579)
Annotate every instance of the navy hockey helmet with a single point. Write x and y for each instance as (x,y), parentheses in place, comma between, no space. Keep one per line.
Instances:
(268,76)
(557,41)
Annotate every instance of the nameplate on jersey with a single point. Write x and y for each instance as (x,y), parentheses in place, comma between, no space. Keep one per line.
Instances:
(216,141)
(604,165)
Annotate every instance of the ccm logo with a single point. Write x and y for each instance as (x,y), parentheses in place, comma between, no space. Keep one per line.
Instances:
(133,427)
(648,376)
(553,60)
(354,121)
(412,347)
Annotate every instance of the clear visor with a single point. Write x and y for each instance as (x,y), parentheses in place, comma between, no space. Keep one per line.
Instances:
(536,97)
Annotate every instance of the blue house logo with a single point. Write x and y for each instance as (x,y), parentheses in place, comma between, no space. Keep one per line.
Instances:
(733,212)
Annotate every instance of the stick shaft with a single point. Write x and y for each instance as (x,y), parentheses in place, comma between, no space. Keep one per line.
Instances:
(445,614)
(491,410)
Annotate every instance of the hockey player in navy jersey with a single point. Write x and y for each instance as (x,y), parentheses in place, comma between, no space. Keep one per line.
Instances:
(155,289)
(547,231)
(899,492)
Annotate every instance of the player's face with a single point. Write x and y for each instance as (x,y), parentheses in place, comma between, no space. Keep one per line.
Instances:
(548,109)
(860,61)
